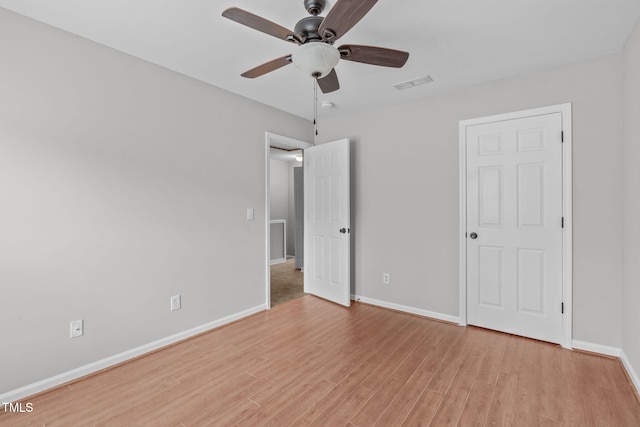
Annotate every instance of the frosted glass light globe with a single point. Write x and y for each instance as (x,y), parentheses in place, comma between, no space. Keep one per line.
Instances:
(316,59)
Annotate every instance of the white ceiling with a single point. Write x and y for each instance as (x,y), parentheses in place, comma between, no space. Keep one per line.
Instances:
(284,156)
(456,42)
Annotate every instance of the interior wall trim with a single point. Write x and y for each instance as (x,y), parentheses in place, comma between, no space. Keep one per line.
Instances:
(615,352)
(407,309)
(94,367)
(633,375)
(596,348)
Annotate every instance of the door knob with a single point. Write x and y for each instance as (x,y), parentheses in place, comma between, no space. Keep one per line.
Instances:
(473,235)
(343,230)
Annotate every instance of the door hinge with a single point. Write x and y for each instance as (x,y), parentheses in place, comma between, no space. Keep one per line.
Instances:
(562,308)
(562,222)
(562,136)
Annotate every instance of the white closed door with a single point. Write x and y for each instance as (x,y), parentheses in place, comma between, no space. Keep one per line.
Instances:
(514,226)
(327,216)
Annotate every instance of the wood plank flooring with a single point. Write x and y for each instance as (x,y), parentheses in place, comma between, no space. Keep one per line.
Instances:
(312,363)
(287,283)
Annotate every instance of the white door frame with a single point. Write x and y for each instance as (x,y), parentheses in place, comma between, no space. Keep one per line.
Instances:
(280,141)
(567,247)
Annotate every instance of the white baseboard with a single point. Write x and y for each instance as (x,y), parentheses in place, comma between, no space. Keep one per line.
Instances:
(277,261)
(407,309)
(595,348)
(40,386)
(632,373)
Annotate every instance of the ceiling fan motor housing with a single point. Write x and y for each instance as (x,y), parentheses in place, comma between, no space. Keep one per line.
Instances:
(307,28)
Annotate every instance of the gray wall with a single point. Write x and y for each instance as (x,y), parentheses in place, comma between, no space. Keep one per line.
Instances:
(631,223)
(276,241)
(405,190)
(121,184)
(279,204)
(291,223)
(282,198)
(279,189)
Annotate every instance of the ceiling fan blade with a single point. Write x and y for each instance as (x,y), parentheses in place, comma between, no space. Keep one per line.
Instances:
(329,83)
(267,67)
(373,55)
(258,23)
(343,16)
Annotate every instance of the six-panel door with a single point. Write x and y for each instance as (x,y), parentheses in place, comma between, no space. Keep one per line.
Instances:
(514,206)
(327,216)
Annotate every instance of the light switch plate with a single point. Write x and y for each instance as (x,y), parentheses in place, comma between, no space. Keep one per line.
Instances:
(176,302)
(250,214)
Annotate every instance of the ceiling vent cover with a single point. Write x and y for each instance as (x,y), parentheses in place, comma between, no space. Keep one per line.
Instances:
(413,83)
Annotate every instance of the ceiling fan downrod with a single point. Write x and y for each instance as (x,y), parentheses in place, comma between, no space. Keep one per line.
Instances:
(314,7)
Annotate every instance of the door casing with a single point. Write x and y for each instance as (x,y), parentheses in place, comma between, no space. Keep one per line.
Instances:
(567,248)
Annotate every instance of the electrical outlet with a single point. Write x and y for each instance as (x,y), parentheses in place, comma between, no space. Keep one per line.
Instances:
(250,214)
(77,328)
(385,278)
(175,303)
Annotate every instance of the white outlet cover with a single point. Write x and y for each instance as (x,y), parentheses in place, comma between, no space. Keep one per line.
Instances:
(250,214)
(77,328)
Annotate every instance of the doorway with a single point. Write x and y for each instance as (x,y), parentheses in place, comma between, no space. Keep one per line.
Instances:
(284,228)
(515,227)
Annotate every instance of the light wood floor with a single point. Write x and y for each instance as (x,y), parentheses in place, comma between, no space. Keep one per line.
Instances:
(310,362)
(287,283)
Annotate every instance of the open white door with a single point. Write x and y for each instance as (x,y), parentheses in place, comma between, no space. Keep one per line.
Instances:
(327,215)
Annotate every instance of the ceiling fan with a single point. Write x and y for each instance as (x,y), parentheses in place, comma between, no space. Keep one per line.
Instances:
(315,36)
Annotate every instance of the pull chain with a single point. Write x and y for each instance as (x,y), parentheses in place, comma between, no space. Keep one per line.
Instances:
(315,105)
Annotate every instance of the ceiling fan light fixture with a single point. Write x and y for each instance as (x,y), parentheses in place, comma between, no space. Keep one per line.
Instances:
(316,59)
